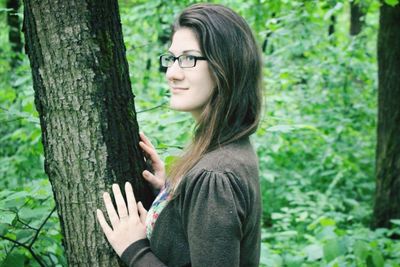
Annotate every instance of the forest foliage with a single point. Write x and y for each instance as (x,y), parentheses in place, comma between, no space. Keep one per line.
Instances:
(316,141)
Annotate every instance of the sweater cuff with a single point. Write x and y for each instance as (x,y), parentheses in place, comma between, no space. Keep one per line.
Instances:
(135,250)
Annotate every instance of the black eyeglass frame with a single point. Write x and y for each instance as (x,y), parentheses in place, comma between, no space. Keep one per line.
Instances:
(179,62)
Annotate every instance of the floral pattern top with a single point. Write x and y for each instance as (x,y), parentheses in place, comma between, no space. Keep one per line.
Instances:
(158,205)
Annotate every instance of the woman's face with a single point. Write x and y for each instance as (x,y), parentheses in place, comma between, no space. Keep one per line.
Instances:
(190,87)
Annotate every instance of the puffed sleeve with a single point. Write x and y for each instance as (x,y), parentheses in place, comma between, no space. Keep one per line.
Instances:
(213,208)
(139,254)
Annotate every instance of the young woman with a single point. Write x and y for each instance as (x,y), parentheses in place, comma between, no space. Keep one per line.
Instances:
(208,211)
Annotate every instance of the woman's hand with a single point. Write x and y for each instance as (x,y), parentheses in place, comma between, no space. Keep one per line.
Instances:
(157,180)
(126,225)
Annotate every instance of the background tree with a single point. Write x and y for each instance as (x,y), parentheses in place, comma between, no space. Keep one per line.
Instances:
(87,115)
(387,197)
(357,14)
(14,35)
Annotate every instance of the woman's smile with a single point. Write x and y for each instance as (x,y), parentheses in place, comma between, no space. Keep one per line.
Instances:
(176,90)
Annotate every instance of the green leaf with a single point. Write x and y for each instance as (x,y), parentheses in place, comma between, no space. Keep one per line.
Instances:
(14,259)
(333,248)
(269,258)
(377,258)
(361,250)
(392,2)
(327,222)
(328,232)
(277,215)
(5,9)
(288,233)
(24,235)
(7,217)
(38,213)
(293,261)
(17,195)
(3,229)
(4,193)
(14,204)
(395,221)
(169,161)
(314,252)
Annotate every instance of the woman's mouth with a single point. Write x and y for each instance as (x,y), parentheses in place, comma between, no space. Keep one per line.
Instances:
(178,89)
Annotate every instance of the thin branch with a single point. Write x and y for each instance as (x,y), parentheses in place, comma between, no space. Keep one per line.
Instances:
(15,242)
(150,44)
(165,148)
(25,224)
(29,248)
(149,109)
(41,226)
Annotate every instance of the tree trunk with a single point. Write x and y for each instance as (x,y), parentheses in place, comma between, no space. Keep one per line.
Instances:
(387,198)
(14,34)
(356,15)
(87,115)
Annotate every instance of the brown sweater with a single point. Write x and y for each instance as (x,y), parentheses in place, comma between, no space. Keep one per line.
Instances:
(214,220)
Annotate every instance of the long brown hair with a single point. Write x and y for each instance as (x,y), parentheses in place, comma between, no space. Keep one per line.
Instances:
(234,59)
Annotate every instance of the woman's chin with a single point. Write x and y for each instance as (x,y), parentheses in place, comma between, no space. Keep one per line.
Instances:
(178,107)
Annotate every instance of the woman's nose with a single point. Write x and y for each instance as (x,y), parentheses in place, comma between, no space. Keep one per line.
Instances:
(175,72)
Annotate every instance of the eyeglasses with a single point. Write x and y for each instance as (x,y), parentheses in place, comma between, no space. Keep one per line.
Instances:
(184,61)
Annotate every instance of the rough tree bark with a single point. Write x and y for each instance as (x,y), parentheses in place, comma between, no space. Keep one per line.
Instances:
(387,198)
(356,15)
(87,115)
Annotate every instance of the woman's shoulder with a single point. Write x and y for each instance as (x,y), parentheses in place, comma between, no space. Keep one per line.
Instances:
(232,157)
(236,160)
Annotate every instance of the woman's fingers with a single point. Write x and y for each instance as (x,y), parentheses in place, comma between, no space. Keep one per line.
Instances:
(122,233)
(130,198)
(142,212)
(145,139)
(112,214)
(149,177)
(156,162)
(119,200)
(149,150)
(103,223)
(152,179)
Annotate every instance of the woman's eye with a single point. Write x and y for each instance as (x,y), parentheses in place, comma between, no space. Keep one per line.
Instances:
(190,58)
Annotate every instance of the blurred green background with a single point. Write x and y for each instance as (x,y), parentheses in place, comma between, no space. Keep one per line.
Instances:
(316,141)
